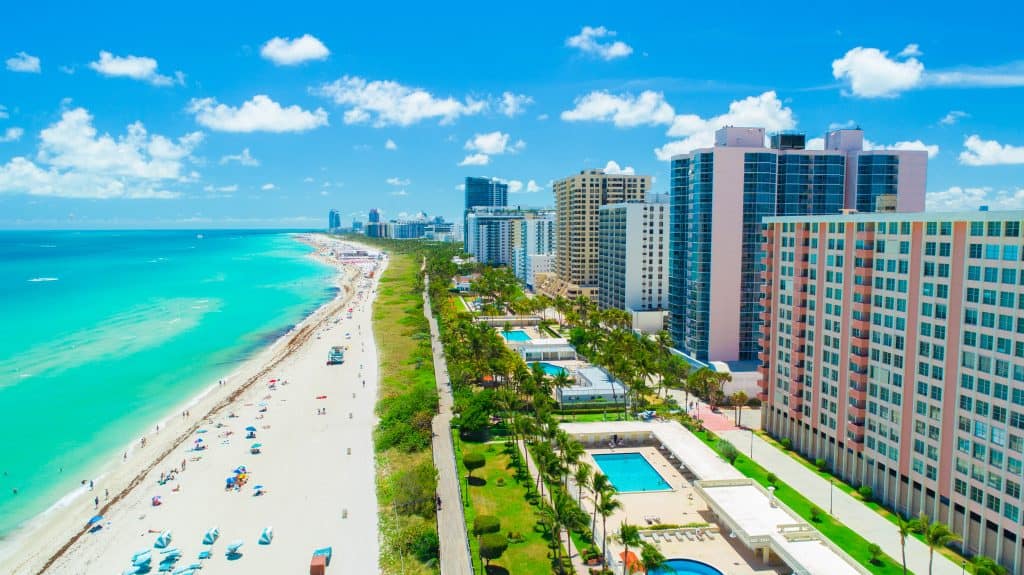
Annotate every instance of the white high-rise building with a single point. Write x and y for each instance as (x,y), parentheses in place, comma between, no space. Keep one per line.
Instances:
(535,236)
(633,241)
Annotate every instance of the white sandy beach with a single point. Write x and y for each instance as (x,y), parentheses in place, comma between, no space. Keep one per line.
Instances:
(318,470)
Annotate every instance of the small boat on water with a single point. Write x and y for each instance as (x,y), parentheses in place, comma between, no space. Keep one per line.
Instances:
(336,355)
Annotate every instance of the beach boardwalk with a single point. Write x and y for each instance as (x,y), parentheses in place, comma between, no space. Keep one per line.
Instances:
(451,522)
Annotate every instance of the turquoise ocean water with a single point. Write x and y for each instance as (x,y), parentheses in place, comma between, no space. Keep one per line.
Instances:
(103,333)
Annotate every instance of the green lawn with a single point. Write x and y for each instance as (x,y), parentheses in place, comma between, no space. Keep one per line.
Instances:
(611,415)
(844,537)
(508,503)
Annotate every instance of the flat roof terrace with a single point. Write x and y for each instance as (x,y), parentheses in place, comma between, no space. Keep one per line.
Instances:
(751,512)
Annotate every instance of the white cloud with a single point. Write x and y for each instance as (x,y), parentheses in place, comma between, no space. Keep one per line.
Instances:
(3,112)
(957,198)
(514,186)
(24,62)
(399,193)
(11,135)
(75,161)
(461,187)
(532,187)
(910,50)
(244,159)
(267,187)
(932,149)
(625,111)
(815,144)
(135,67)
(475,160)
(399,181)
(978,152)
(871,73)
(221,189)
(847,125)
(492,143)
(390,145)
(308,179)
(598,42)
(260,114)
(953,117)
(513,104)
(763,111)
(542,117)
(385,102)
(290,52)
(612,167)
(69,70)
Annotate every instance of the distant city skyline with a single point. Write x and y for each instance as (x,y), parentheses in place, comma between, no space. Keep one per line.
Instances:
(279,116)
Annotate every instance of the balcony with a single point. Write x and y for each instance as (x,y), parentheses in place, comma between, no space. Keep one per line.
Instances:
(864,291)
(796,408)
(765,315)
(866,254)
(856,416)
(764,356)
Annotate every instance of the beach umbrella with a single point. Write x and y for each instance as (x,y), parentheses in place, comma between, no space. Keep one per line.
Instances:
(140,554)
(95,519)
(234,546)
(257,487)
(163,540)
(256,446)
(211,535)
(266,536)
(250,428)
(262,404)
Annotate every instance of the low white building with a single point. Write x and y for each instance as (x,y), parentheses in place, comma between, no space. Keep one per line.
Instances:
(592,387)
(547,349)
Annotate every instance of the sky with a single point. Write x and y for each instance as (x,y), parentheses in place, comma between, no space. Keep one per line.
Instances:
(194,115)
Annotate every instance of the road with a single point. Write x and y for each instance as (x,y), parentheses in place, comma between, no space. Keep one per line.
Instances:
(451,522)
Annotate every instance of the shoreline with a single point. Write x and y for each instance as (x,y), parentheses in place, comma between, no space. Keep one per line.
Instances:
(36,545)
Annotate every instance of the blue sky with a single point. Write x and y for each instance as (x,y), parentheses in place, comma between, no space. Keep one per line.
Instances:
(200,115)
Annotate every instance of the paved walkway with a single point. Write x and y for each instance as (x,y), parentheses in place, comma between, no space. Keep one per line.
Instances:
(451,522)
(849,511)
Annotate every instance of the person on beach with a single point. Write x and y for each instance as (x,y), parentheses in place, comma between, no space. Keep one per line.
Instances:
(95,502)
(106,494)
(90,485)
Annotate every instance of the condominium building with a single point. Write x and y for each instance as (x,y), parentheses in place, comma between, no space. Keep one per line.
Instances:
(333,220)
(719,197)
(578,199)
(633,255)
(490,234)
(533,236)
(894,349)
(482,192)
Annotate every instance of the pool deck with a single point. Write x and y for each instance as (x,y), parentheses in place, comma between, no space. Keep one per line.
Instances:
(742,507)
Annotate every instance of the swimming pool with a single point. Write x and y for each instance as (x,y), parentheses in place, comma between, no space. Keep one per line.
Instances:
(630,472)
(551,369)
(516,335)
(684,567)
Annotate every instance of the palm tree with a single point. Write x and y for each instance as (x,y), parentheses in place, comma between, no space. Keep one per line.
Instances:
(629,536)
(582,478)
(650,557)
(739,399)
(607,506)
(905,528)
(986,566)
(599,483)
(936,535)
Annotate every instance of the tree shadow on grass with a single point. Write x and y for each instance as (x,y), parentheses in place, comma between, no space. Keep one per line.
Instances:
(476,481)
(496,570)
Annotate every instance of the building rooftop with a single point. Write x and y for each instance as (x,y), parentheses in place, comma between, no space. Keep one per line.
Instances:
(958,216)
(591,380)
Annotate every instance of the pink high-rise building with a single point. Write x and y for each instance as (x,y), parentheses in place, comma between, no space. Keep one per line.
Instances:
(893,348)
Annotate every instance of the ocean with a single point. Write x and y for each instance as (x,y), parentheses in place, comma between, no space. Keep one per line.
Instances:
(103,333)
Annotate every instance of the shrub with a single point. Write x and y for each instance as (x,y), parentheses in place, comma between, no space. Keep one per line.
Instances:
(473,461)
(866,492)
(816,513)
(728,451)
(500,482)
(786,443)
(875,551)
(484,524)
(754,403)
(415,489)
(427,546)
(772,478)
(492,546)
(820,464)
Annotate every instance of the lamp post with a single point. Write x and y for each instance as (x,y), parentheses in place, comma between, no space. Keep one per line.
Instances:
(963,567)
(831,484)
(751,443)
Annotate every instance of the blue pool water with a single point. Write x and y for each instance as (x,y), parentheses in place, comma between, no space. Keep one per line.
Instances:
(552,369)
(630,472)
(684,567)
(516,335)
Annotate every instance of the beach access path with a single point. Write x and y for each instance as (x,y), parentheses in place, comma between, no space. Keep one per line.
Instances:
(316,462)
(451,521)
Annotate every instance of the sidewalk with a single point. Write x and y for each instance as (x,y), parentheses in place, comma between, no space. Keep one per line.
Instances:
(849,511)
(451,522)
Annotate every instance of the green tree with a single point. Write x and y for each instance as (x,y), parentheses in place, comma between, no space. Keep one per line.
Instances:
(492,546)
(875,551)
(484,524)
(936,535)
(472,461)
(650,557)
(982,565)
(629,536)
(582,478)
(739,399)
(905,527)
(816,513)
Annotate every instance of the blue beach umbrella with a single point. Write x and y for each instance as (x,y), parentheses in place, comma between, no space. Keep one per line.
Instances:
(250,428)
(95,519)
